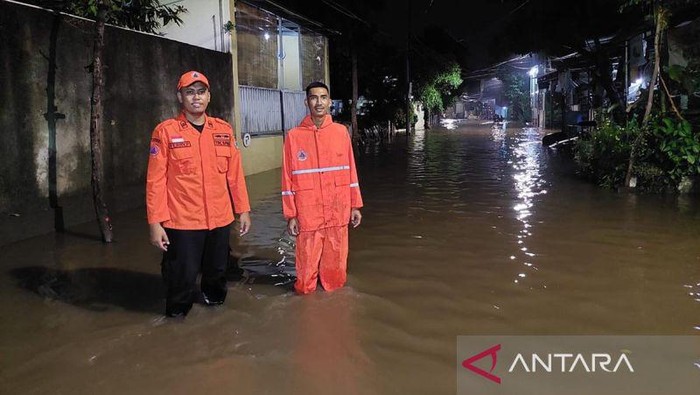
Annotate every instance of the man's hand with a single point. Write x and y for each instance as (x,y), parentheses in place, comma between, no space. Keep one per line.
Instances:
(293,227)
(158,236)
(355,217)
(244,219)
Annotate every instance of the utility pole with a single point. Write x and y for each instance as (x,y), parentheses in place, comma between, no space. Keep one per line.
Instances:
(355,92)
(409,110)
(52,116)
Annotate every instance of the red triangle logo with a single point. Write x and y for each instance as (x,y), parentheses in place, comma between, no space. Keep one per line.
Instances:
(469,363)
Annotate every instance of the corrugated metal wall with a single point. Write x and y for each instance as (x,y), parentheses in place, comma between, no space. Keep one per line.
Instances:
(261,110)
(294,108)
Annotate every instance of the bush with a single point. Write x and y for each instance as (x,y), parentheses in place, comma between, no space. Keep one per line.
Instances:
(680,148)
(666,152)
(604,157)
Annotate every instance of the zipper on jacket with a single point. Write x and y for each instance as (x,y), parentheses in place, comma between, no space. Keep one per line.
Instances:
(204,188)
(320,178)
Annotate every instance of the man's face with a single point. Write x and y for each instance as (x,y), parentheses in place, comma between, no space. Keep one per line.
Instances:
(194,98)
(319,101)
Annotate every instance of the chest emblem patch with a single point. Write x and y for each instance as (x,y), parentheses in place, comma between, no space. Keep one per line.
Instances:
(178,142)
(222,140)
(301,155)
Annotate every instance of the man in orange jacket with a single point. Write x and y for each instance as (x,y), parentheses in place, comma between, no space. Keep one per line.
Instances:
(320,194)
(194,177)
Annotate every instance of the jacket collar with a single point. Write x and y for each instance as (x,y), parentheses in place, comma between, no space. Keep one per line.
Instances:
(184,123)
(307,122)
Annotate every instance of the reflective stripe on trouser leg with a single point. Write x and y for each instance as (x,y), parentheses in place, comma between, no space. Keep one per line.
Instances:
(323,252)
(334,258)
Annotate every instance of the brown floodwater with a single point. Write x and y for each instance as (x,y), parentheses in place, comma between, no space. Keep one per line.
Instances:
(466,231)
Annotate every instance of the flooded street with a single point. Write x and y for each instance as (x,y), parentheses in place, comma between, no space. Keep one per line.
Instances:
(465,232)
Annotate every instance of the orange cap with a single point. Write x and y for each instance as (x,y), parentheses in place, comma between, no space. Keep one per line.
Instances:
(190,78)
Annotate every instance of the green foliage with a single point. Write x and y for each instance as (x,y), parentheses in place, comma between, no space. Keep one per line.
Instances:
(399,118)
(143,15)
(229,26)
(688,77)
(603,158)
(431,98)
(668,151)
(680,146)
(441,90)
(516,89)
(451,78)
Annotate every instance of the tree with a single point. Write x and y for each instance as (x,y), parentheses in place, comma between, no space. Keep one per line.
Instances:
(96,115)
(438,63)
(145,15)
(660,22)
(441,90)
(662,10)
(516,89)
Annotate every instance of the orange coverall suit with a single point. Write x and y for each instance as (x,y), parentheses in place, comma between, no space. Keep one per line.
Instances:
(191,182)
(319,189)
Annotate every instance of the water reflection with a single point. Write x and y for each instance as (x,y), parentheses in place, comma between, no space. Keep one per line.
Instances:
(326,353)
(694,293)
(450,123)
(528,183)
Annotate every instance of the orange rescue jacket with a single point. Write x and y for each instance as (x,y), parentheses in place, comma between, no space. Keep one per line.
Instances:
(192,178)
(319,180)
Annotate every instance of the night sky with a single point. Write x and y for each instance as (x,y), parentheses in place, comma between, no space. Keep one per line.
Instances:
(473,23)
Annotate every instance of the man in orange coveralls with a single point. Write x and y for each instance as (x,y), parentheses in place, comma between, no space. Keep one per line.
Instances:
(194,176)
(320,194)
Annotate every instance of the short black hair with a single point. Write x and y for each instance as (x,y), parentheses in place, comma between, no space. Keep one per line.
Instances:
(316,84)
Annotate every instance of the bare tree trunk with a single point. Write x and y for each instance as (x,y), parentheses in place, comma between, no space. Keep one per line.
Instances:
(650,99)
(655,72)
(96,116)
(355,95)
(670,98)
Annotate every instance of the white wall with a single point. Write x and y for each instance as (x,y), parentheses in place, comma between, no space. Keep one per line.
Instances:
(291,63)
(202,24)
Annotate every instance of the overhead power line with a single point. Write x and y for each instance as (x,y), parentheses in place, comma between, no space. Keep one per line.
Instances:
(345,11)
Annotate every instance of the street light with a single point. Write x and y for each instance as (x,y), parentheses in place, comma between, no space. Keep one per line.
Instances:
(533,72)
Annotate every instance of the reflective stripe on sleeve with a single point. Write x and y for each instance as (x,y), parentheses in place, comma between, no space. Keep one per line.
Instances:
(354,185)
(287,193)
(321,169)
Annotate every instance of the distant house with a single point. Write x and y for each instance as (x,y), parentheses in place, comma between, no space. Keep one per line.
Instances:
(568,91)
(275,55)
(484,96)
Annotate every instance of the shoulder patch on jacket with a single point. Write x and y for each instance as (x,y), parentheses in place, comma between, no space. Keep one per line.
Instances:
(167,123)
(221,122)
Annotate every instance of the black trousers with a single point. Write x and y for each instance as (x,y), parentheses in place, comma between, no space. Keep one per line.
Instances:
(190,252)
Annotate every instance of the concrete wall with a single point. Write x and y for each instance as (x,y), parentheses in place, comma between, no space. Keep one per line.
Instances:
(142,71)
(203,24)
(264,153)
